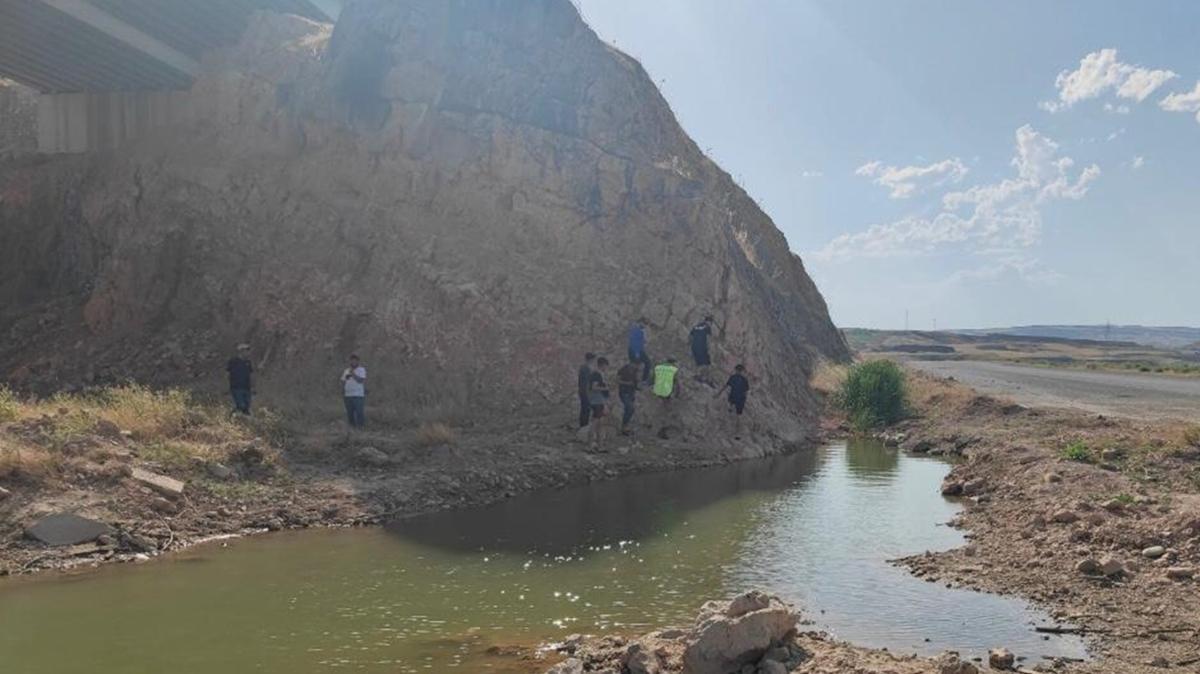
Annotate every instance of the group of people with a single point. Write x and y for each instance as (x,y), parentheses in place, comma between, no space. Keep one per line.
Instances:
(353,382)
(662,379)
(638,372)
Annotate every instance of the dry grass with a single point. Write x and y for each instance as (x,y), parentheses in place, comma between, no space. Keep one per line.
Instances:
(436,433)
(828,378)
(1191,436)
(167,427)
(21,463)
(928,392)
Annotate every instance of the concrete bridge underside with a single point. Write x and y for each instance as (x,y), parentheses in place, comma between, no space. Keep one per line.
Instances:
(108,68)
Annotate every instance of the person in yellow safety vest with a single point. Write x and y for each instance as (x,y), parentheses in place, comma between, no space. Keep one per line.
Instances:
(664,380)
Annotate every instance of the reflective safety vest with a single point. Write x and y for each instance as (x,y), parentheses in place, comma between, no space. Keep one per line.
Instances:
(664,380)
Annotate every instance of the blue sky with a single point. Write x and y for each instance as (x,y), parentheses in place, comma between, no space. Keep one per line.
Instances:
(976,163)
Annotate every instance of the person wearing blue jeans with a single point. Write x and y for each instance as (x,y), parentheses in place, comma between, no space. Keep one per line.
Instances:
(637,347)
(354,393)
(627,385)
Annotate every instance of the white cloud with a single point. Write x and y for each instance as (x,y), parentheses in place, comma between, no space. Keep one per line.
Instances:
(1117,109)
(812,174)
(1100,73)
(1138,162)
(905,181)
(998,220)
(1189,102)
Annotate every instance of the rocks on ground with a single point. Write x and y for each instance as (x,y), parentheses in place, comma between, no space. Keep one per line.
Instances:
(67,529)
(751,633)
(167,486)
(1001,658)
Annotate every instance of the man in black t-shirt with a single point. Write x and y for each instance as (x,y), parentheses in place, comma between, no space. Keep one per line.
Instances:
(585,382)
(240,370)
(698,339)
(739,391)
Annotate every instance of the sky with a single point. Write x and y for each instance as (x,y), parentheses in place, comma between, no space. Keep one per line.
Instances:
(969,163)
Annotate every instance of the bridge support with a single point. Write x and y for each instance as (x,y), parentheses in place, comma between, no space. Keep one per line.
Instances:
(86,122)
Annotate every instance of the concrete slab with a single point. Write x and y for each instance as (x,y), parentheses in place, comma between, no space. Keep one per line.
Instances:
(167,486)
(67,529)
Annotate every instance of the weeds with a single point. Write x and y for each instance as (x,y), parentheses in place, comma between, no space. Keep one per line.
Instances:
(9,405)
(1191,436)
(1077,451)
(828,378)
(434,434)
(874,393)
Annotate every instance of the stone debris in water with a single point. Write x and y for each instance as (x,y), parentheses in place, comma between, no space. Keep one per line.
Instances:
(1001,658)
(750,633)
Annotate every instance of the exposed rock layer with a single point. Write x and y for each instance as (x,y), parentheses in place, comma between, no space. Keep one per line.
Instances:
(469,194)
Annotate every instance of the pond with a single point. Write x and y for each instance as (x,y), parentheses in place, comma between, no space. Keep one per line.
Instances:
(451,591)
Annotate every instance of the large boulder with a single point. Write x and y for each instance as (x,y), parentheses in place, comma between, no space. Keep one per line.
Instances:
(67,529)
(730,635)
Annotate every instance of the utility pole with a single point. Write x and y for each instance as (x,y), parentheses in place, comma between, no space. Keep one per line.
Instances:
(906,320)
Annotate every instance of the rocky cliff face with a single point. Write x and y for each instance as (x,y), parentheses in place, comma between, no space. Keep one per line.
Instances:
(468,193)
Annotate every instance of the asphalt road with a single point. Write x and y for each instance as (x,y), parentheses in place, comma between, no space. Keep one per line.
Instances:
(1144,396)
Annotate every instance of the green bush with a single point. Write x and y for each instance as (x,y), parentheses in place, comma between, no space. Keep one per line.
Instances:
(1077,451)
(874,394)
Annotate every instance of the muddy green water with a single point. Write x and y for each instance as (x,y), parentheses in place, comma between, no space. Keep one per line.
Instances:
(435,593)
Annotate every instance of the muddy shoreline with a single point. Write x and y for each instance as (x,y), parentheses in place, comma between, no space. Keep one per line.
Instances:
(329,478)
(1034,517)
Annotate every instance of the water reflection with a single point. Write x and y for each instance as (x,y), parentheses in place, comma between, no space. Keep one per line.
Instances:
(867,459)
(436,592)
(630,509)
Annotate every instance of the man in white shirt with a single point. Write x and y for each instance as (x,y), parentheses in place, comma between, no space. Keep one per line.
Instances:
(354,392)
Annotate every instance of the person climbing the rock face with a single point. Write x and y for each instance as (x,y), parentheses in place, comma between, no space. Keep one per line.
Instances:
(665,384)
(598,397)
(739,391)
(627,386)
(665,387)
(240,370)
(637,347)
(354,392)
(585,382)
(699,342)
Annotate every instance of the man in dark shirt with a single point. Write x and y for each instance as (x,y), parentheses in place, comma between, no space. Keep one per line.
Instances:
(240,369)
(585,382)
(739,390)
(699,341)
(598,397)
(627,385)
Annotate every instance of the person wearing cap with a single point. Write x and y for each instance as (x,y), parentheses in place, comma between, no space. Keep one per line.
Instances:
(240,370)
(354,392)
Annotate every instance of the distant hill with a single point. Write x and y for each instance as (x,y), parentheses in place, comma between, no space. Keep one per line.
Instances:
(1164,337)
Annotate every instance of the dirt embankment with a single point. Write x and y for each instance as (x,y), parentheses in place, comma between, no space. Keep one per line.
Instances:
(1096,518)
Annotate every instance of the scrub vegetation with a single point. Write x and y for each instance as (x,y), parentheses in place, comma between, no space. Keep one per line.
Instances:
(170,427)
(874,394)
